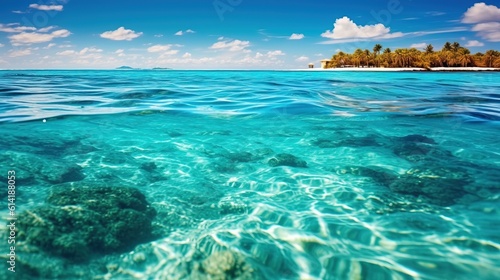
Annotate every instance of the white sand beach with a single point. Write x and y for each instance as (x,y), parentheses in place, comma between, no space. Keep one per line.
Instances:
(381,69)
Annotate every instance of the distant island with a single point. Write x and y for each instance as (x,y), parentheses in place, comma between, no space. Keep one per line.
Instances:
(125,68)
(132,68)
(451,55)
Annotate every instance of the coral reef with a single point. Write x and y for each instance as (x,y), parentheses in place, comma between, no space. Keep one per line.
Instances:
(224,265)
(78,222)
(286,160)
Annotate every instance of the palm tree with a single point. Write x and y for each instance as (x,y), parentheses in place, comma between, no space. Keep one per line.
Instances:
(366,56)
(376,51)
(455,46)
(447,47)
(387,57)
(489,57)
(429,49)
(464,57)
(357,56)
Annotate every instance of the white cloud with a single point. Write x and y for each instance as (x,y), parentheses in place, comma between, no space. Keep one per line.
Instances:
(296,36)
(1,45)
(58,8)
(66,52)
(489,31)
(14,28)
(302,59)
(46,29)
(19,12)
(419,46)
(345,28)
(159,35)
(235,45)
(84,51)
(20,53)
(121,34)
(120,52)
(220,38)
(25,38)
(258,55)
(275,53)
(180,32)
(49,46)
(435,13)
(474,43)
(186,55)
(481,12)
(159,48)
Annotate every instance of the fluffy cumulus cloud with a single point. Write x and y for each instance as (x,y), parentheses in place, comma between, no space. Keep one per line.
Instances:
(489,31)
(234,46)
(474,43)
(121,34)
(1,45)
(186,55)
(164,50)
(26,38)
(481,12)
(58,8)
(18,53)
(345,28)
(296,36)
(15,28)
(486,20)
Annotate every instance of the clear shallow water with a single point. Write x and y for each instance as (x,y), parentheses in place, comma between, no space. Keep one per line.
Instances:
(401,179)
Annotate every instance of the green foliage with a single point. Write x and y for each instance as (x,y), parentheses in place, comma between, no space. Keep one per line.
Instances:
(451,55)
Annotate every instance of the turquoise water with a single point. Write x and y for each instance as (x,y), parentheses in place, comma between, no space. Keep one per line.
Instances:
(267,175)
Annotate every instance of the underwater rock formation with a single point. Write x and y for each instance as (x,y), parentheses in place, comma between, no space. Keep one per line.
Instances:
(286,160)
(45,169)
(224,265)
(417,148)
(440,185)
(78,222)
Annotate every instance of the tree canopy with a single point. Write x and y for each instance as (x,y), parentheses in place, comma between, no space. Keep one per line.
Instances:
(451,55)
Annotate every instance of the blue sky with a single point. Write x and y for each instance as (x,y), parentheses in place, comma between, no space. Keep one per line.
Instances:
(230,34)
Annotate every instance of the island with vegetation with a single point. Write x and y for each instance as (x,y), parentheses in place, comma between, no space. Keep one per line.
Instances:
(451,55)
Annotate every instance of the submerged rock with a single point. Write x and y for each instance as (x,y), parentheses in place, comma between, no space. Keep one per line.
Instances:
(43,169)
(224,265)
(418,148)
(287,160)
(440,185)
(78,222)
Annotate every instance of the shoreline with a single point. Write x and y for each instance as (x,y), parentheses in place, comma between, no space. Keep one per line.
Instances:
(409,69)
(347,69)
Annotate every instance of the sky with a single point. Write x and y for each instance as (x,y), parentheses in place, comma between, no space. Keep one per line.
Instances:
(230,34)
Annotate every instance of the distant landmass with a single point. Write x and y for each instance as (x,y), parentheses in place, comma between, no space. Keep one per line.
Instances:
(132,68)
(125,68)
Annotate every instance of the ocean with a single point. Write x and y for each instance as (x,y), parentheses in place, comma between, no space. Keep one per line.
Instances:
(165,174)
